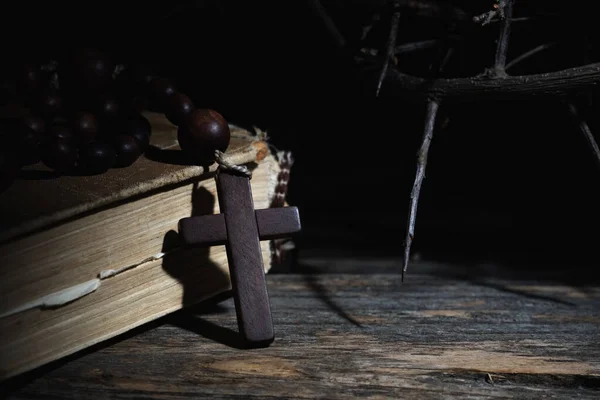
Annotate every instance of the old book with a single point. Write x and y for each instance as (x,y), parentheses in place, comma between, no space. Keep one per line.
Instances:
(85,258)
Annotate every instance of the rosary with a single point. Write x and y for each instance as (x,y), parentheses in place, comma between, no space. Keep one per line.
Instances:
(92,122)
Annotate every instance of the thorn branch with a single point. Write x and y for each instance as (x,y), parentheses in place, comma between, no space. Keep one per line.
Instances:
(505,8)
(528,54)
(389,54)
(430,117)
(586,131)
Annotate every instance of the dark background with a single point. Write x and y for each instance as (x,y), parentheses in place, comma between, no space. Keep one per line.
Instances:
(509,182)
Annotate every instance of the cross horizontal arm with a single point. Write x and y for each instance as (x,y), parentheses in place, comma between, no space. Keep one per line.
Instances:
(206,229)
(278,222)
(273,223)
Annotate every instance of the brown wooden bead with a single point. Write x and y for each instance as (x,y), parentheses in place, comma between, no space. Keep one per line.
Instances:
(203,132)
(179,107)
(33,123)
(49,104)
(140,129)
(60,131)
(60,155)
(108,108)
(85,127)
(160,91)
(128,150)
(97,157)
(92,69)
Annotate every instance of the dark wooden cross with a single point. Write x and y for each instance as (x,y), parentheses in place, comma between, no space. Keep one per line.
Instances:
(240,227)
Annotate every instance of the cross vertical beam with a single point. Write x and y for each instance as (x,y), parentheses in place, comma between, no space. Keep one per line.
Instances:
(245,258)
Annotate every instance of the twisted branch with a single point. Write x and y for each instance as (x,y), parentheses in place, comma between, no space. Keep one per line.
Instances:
(497,11)
(400,85)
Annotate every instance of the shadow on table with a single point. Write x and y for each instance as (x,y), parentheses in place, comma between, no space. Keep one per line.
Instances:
(505,277)
(191,320)
(198,274)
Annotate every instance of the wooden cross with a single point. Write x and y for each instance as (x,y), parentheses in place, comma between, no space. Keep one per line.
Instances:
(240,227)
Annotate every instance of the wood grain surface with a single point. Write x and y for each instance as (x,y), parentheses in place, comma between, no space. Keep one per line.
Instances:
(338,336)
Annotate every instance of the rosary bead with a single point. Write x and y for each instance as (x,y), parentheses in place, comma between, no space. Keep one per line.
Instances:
(160,90)
(179,107)
(109,108)
(33,123)
(140,129)
(128,150)
(92,69)
(203,132)
(49,104)
(97,157)
(60,155)
(60,131)
(85,127)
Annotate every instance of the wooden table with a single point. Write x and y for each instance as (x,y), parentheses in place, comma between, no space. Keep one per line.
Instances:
(441,334)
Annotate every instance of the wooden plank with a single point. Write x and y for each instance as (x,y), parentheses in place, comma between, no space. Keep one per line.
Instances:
(438,335)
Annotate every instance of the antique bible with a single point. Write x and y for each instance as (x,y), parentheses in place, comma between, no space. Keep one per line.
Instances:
(85,258)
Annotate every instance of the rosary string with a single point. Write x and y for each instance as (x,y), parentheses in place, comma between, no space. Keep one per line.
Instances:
(223,163)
